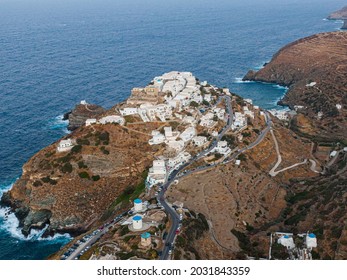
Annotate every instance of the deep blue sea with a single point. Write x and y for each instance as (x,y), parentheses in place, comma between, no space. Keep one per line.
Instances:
(54,53)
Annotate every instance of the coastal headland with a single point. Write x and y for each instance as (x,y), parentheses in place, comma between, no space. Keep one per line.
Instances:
(315,70)
(184,169)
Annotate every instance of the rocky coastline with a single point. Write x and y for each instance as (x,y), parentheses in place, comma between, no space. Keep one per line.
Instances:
(78,116)
(314,70)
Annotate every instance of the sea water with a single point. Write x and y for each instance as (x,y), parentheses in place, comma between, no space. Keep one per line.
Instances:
(55,53)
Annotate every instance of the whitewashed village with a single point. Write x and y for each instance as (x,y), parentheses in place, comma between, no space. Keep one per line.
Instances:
(196,110)
(201,123)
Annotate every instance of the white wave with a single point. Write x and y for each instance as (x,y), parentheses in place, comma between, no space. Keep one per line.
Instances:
(10,224)
(240,81)
(280,87)
(58,123)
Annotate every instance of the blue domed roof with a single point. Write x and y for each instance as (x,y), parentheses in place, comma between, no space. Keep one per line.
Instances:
(146,235)
(137,218)
(137,200)
(286,236)
(312,235)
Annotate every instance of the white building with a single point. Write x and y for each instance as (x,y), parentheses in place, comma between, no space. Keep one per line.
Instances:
(90,122)
(237,162)
(137,222)
(168,131)
(338,106)
(207,97)
(128,111)
(286,241)
(157,139)
(280,114)
(178,146)
(199,140)
(189,120)
(311,240)
(333,154)
(240,121)
(248,100)
(220,113)
(138,206)
(65,145)
(312,84)
(188,134)
(180,159)
(222,148)
(226,91)
(157,174)
(112,119)
(207,120)
(248,112)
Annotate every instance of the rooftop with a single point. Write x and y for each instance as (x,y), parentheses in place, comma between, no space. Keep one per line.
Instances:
(146,235)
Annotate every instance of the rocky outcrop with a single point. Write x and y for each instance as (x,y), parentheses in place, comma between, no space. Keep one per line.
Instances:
(315,70)
(338,15)
(81,113)
(70,191)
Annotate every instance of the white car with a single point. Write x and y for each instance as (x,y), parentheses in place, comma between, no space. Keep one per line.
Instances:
(170,252)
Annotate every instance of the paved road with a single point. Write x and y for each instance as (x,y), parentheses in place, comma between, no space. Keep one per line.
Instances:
(95,237)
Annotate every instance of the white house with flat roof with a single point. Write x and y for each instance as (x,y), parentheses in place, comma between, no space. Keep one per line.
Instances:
(178,160)
(65,145)
(188,134)
(178,146)
(222,148)
(168,131)
(189,120)
(90,122)
(157,173)
(128,111)
(157,139)
(220,113)
(207,97)
(199,140)
(112,119)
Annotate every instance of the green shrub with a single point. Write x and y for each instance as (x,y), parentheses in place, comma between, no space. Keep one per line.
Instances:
(76,149)
(82,141)
(67,168)
(84,175)
(194,104)
(96,178)
(48,179)
(37,183)
(104,137)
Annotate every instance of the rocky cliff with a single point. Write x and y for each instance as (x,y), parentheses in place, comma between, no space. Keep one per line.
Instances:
(81,112)
(340,14)
(70,191)
(315,70)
